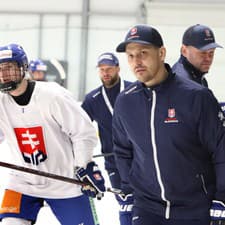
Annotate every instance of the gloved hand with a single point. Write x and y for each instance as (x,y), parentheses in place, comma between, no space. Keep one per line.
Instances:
(91,175)
(217,213)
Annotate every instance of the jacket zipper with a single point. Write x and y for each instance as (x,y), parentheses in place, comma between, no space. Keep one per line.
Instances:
(155,157)
(203,184)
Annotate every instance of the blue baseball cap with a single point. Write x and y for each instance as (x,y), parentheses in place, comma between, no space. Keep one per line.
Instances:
(200,37)
(108,58)
(142,34)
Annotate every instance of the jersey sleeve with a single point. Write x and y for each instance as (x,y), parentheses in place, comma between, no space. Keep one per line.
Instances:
(86,105)
(76,124)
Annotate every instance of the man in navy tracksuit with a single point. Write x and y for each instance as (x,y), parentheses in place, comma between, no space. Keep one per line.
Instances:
(99,105)
(197,53)
(169,139)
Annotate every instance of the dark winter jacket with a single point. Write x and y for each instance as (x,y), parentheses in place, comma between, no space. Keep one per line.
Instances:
(170,147)
(95,105)
(185,69)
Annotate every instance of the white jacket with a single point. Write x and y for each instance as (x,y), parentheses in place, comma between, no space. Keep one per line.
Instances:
(53,134)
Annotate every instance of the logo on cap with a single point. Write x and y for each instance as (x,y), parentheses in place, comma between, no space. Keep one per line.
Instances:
(133,31)
(108,59)
(207,33)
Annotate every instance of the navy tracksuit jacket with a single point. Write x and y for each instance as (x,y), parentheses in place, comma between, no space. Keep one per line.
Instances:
(169,142)
(98,111)
(185,69)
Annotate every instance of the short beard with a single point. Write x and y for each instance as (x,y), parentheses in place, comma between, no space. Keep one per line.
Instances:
(111,82)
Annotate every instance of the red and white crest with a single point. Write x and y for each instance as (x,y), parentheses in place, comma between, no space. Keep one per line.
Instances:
(171,113)
(31,144)
(133,31)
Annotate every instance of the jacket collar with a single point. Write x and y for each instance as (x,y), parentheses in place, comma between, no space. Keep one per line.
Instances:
(169,77)
(139,86)
(195,74)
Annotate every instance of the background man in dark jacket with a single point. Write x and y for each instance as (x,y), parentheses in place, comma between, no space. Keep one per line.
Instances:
(99,104)
(169,139)
(197,53)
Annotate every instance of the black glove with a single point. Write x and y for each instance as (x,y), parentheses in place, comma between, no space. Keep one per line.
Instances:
(217,213)
(91,175)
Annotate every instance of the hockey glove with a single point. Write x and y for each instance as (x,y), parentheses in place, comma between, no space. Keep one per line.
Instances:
(91,175)
(217,213)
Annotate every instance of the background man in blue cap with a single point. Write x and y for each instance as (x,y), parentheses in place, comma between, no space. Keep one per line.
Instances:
(37,69)
(169,139)
(197,53)
(99,104)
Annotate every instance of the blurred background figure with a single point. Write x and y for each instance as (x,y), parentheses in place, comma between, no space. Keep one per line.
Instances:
(37,70)
(99,104)
(197,53)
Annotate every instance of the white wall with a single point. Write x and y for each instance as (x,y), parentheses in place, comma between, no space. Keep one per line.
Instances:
(109,22)
(42,5)
(105,35)
(20,23)
(172,19)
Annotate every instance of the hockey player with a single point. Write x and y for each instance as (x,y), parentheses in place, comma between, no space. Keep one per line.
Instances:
(37,70)
(46,130)
(168,139)
(197,53)
(99,105)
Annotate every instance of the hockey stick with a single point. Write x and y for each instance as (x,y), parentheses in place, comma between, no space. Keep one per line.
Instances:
(103,155)
(54,176)
(60,69)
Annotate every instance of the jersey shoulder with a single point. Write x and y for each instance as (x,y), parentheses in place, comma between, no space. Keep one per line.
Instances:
(130,90)
(94,94)
(51,91)
(127,83)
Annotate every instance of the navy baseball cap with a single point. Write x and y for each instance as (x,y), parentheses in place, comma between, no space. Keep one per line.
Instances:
(108,58)
(200,37)
(142,34)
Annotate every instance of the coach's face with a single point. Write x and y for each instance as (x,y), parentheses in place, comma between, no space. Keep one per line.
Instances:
(201,60)
(109,75)
(147,62)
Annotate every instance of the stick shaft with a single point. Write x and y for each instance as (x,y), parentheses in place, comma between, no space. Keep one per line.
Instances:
(103,155)
(53,176)
(42,173)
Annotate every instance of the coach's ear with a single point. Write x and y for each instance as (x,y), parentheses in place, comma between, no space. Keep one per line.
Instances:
(183,50)
(162,53)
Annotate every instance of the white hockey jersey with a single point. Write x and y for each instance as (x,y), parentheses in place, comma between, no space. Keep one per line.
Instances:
(52,134)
